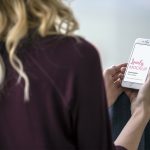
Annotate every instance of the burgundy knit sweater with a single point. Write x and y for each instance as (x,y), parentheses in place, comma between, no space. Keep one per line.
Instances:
(67,108)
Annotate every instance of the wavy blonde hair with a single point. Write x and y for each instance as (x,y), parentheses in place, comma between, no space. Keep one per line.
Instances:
(17,17)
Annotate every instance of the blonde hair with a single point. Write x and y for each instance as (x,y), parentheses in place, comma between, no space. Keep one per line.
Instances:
(18,17)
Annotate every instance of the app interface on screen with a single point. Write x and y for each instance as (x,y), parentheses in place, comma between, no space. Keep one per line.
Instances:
(139,64)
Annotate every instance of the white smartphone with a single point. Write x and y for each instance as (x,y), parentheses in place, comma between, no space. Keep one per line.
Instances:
(138,64)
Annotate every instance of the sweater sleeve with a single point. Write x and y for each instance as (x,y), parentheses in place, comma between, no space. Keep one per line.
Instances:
(89,113)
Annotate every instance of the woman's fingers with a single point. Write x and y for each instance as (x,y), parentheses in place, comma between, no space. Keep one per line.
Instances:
(123,69)
(115,77)
(113,70)
(120,68)
(120,74)
(116,73)
(122,65)
(117,83)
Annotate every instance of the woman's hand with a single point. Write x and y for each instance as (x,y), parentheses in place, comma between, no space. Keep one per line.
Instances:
(112,78)
(141,100)
(140,106)
(132,132)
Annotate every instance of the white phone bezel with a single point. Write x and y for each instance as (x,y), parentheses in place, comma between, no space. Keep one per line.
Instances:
(134,85)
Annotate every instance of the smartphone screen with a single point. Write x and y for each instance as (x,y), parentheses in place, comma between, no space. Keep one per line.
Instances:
(139,64)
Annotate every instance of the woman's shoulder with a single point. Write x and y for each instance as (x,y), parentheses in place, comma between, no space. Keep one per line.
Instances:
(79,44)
(64,50)
(76,47)
(61,43)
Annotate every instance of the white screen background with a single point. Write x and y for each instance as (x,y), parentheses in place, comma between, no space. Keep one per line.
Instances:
(139,64)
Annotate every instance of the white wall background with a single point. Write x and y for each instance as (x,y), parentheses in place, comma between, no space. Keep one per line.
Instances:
(113,25)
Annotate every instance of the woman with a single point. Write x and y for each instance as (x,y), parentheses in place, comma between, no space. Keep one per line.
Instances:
(59,100)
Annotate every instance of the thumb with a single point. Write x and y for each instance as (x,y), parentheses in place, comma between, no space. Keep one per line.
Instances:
(131,93)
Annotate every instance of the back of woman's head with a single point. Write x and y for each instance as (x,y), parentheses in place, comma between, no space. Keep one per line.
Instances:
(18,17)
